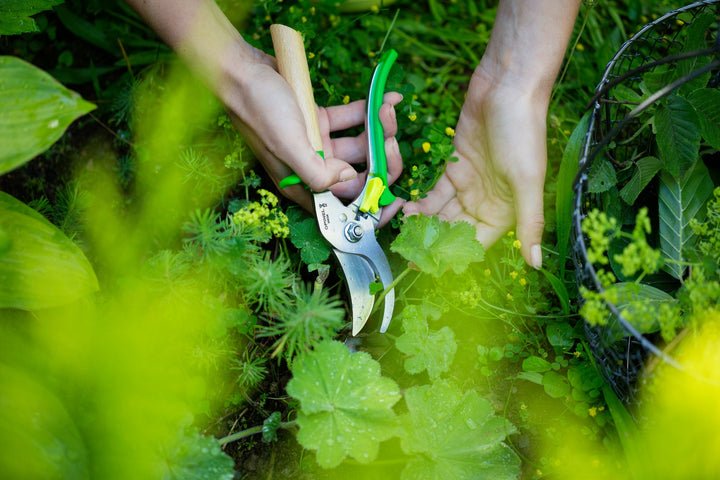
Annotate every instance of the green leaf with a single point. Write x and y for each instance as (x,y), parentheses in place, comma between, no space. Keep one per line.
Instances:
(679,202)
(455,435)
(696,39)
(306,237)
(646,169)
(196,457)
(15,15)
(559,287)
(534,363)
(40,267)
(36,110)
(429,350)
(678,136)
(560,335)
(555,384)
(706,102)
(602,176)
(345,405)
(636,301)
(436,246)
(565,195)
(270,427)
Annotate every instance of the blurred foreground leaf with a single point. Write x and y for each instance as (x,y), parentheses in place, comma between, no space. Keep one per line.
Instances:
(345,405)
(40,267)
(198,458)
(36,110)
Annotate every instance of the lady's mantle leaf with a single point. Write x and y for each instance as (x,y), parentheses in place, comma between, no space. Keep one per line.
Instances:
(306,236)
(198,458)
(345,405)
(455,435)
(36,110)
(39,266)
(433,351)
(436,246)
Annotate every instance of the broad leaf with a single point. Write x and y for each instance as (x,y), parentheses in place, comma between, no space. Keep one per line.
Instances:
(345,405)
(706,102)
(678,137)
(455,435)
(39,266)
(697,33)
(15,15)
(646,169)
(196,457)
(636,301)
(555,384)
(36,110)
(681,200)
(602,176)
(306,236)
(534,363)
(565,196)
(435,246)
(429,350)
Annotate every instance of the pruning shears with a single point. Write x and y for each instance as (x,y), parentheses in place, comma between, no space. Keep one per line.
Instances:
(350,229)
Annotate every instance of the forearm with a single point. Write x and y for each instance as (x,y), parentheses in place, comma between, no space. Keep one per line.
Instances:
(528,43)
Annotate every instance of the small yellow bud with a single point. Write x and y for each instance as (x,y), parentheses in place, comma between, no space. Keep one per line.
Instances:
(426,147)
(579,47)
(523,282)
(513,275)
(487,272)
(414,168)
(517,244)
(509,297)
(304,19)
(410,182)
(374,9)
(346,99)
(371,54)
(414,192)
(311,55)
(412,117)
(510,233)
(592,411)
(449,131)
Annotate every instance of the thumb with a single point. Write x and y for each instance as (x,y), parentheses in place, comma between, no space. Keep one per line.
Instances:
(530,224)
(320,173)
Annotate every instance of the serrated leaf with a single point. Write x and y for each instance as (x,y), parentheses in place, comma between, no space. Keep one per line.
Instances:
(678,137)
(706,102)
(196,457)
(345,405)
(437,246)
(623,93)
(646,169)
(601,177)
(455,435)
(36,110)
(270,427)
(429,350)
(40,267)
(679,201)
(695,39)
(15,15)
(306,237)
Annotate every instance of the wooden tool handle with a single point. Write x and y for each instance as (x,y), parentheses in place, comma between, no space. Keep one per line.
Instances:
(292,64)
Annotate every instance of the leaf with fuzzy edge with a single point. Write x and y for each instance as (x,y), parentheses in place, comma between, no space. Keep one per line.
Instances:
(681,200)
(452,434)
(437,246)
(429,350)
(345,405)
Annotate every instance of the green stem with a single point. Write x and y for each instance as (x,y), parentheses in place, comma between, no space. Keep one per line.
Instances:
(252,431)
(392,285)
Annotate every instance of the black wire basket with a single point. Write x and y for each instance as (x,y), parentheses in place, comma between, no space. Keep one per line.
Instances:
(615,131)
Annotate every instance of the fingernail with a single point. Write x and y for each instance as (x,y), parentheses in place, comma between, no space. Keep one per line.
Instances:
(536,256)
(347,174)
(393,146)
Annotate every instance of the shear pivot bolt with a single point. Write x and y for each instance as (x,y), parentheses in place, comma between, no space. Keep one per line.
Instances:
(353,232)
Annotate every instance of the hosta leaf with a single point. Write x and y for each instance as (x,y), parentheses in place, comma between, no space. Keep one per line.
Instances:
(196,457)
(678,137)
(601,177)
(646,169)
(15,15)
(345,405)
(429,350)
(39,266)
(706,102)
(36,110)
(455,435)
(435,246)
(681,200)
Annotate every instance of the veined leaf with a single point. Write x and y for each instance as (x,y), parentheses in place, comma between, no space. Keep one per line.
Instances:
(602,176)
(697,32)
(36,110)
(681,200)
(565,195)
(647,167)
(455,435)
(429,350)
(345,405)
(198,458)
(15,15)
(39,266)
(678,137)
(306,236)
(706,102)
(436,246)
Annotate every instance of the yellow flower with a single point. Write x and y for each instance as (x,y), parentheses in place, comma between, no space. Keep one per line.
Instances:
(449,131)
(346,99)
(410,182)
(312,10)
(510,233)
(371,54)
(414,192)
(426,147)
(374,9)
(414,168)
(487,272)
(580,47)
(509,297)
(311,55)
(514,275)
(577,353)
(592,411)
(517,244)
(412,117)
(523,282)
(304,19)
